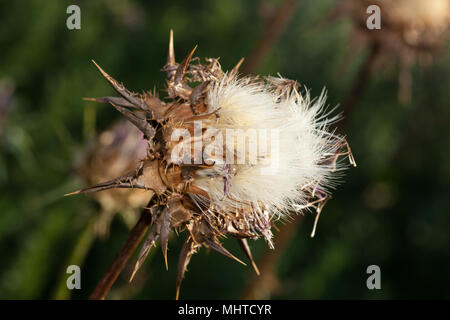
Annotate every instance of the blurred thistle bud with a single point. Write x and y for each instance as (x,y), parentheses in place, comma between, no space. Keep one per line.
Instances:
(410,30)
(116,150)
(420,25)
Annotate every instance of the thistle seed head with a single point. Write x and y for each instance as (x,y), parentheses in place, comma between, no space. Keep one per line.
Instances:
(227,155)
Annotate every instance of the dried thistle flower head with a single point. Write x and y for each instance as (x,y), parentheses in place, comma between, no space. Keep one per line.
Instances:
(420,25)
(116,150)
(411,30)
(421,22)
(227,155)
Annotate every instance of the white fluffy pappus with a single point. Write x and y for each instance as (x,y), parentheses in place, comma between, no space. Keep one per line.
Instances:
(303,157)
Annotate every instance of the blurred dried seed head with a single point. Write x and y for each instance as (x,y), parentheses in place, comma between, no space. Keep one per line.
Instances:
(116,150)
(410,30)
(200,181)
(420,25)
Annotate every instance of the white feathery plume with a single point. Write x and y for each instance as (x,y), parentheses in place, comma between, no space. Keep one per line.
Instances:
(304,146)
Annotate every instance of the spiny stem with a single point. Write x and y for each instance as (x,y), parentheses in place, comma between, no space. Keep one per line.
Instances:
(133,239)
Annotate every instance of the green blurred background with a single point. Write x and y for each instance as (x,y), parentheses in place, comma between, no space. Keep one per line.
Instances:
(392,210)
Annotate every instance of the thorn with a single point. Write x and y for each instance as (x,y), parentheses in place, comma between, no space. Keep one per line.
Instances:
(140,123)
(92,99)
(112,100)
(147,246)
(120,89)
(137,266)
(219,248)
(164,233)
(165,260)
(246,248)
(171,54)
(184,258)
(318,211)
(197,92)
(182,68)
(73,193)
(125,182)
(236,68)
(106,186)
(316,220)
(170,66)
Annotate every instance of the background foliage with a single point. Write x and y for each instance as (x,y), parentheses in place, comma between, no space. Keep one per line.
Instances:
(392,210)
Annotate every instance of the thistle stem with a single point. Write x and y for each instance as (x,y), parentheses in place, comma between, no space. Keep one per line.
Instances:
(127,249)
(272,31)
(360,84)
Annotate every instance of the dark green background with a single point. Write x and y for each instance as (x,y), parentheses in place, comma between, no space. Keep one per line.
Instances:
(392,210)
